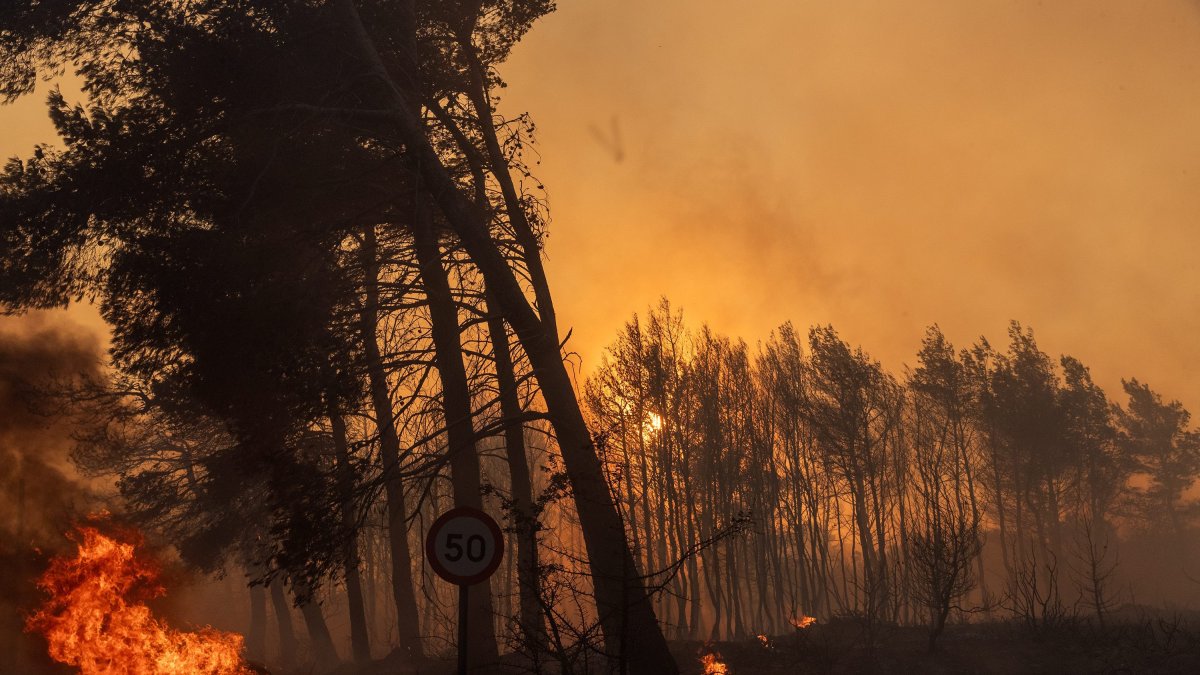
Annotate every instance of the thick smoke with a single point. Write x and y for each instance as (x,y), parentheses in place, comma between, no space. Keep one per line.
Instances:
(40,496)
(880,166)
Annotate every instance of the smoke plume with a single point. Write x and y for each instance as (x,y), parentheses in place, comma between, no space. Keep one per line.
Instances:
(40,495)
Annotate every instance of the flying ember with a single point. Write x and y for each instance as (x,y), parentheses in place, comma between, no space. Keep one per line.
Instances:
(96,619)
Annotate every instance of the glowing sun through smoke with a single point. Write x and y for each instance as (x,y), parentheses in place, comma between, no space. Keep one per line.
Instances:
(652,425)
(96,619)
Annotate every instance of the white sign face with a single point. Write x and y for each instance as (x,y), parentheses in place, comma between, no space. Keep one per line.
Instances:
(464,546)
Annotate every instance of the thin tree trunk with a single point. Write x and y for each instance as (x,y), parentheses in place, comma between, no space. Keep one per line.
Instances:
(359,640)
(318,633)
(693,567)
(256,637)
(524,518)
(283,624)
(407,624)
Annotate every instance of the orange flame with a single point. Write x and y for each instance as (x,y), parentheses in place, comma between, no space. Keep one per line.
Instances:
(95,618)
(802,621)
(711,660)
(713,665)
(764,640)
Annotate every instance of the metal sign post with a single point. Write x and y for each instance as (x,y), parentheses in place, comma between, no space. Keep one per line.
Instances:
(464,546)
(463,592)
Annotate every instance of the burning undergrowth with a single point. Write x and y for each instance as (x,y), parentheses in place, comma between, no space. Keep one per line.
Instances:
(92,601)
(96,617)
(711,661)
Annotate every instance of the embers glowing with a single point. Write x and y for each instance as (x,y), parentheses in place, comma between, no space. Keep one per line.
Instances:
(96,619)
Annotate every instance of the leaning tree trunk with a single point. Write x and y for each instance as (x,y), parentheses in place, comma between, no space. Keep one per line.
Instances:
(256,637)
(318,634)
(524,518)
(630,627)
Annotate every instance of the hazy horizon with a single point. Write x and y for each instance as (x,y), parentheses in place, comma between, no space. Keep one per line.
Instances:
(877,166)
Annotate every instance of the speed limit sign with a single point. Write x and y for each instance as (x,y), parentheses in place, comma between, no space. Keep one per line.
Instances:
(464,546)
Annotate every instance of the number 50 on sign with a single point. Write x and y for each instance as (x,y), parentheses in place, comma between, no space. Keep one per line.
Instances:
(464,546)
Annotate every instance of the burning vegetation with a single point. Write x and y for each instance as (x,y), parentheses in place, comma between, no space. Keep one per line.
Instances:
(801,622)
(97,620)
(711,661)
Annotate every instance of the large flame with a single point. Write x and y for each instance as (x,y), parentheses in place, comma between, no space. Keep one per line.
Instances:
(96,619)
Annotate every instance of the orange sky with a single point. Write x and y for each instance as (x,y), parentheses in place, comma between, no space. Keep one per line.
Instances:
(880,166)
(876,165)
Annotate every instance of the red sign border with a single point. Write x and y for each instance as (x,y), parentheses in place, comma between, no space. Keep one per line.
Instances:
(431,542)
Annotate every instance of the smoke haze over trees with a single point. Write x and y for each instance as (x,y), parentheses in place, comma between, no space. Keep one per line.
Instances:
(319,247)
(983,470)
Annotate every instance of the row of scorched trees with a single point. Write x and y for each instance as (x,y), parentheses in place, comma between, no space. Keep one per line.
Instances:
(982,479)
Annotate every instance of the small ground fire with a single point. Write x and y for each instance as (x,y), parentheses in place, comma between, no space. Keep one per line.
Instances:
(95,618)
(713,664)
(802,622)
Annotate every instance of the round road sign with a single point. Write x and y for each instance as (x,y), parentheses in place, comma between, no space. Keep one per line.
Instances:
(464,546)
